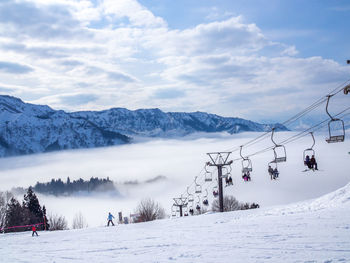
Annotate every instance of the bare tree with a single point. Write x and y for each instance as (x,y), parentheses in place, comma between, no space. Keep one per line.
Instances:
(149,210)
(57,222)
(230,204)
(4,199)
(79,221)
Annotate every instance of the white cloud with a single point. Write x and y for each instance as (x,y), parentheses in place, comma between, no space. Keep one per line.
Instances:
(123,55)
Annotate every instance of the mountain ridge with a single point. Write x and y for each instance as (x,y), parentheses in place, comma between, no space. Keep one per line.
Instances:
(28,128)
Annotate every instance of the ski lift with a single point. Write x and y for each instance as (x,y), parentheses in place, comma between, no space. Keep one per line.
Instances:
(274,166)
(278,150)
(226,172)
(309,151)
(208,177)
(198,207)
(347,89)
(205,198)
(215,190)
(246,163)
(198,187)
(190,196)
(173,211)
(334,121)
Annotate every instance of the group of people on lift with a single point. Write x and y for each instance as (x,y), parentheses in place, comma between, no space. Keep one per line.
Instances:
(311,162)
(274,173)
(246,176)
(229,181)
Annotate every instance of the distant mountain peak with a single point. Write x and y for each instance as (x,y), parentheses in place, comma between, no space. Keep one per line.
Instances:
(28,128)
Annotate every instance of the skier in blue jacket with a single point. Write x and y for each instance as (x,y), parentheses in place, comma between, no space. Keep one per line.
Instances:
(110,217)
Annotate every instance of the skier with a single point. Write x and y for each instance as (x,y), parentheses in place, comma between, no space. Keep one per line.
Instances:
(313,163)
(270,170)
(34,231)
(191,211)
(215,193)
(110,217)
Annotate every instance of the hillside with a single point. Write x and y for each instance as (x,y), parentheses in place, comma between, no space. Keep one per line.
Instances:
(27,128)
(309,231)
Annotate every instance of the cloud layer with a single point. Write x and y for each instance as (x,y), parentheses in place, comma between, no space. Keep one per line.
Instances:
(81,54)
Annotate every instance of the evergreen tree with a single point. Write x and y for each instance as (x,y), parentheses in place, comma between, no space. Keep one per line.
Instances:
(15,215)
(46,222)
(31,202)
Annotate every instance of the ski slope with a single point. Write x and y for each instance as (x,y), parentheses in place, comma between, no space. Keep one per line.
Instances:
(317,230)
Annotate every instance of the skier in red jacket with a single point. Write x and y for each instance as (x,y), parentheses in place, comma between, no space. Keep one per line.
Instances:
(34,230)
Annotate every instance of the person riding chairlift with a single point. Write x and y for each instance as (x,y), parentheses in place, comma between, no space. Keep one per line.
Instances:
(275,173)
(270,170)
(313,163)
(246,176)
(307,161)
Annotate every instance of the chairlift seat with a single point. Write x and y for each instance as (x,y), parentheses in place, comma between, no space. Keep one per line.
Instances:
(337,138)
(198,191)
(247,169)
(280,159)
(208,179)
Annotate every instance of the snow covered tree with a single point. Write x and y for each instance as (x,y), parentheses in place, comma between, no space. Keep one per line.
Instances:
(57,222)
(230,204)
(4,200)
(149,210)
(79,221)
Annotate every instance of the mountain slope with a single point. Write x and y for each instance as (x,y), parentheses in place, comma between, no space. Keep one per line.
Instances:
(28,128)
(258,235)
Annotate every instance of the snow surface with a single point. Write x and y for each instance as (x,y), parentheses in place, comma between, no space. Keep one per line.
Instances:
(310,231)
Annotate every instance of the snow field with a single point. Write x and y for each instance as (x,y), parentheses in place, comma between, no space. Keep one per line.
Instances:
(310,231)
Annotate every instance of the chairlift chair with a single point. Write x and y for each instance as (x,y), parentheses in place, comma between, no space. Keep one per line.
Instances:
(208,177)
(279,150)
(198,187)
(173,210)
(347,89)
(246,163)
(215,190)
(198,207)
(333,122)
(309,151)
(190,197)
(274,166)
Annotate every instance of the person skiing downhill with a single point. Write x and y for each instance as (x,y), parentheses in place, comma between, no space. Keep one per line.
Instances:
(110,218)
(34,231)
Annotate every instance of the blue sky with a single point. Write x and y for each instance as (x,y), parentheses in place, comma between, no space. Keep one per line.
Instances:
(261,60)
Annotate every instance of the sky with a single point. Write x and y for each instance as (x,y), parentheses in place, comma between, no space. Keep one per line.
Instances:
(258,60)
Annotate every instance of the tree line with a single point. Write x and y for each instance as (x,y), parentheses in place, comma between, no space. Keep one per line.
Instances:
(58,187)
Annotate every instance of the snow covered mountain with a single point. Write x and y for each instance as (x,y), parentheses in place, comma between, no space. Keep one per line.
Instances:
(28,128)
